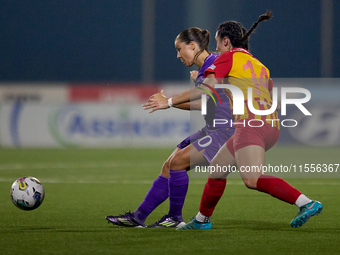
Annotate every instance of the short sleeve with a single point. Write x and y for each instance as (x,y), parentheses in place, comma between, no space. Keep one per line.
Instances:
(221,66)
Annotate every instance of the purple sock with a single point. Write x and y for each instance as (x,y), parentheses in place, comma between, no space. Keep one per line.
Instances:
(156,195)
(178,187)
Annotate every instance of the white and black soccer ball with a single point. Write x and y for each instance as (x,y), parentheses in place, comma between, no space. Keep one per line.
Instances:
(27,193)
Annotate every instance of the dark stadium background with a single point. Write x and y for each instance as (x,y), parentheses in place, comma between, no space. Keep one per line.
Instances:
(86,62)
(86,41)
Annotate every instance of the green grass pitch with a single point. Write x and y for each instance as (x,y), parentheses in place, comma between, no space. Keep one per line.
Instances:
(83,186)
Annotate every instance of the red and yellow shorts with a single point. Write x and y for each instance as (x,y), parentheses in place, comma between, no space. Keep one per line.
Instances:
(265,136)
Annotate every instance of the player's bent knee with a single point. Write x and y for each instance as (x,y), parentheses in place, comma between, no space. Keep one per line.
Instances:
(214,162)
(250,183)
(218,162)
(165,169)
(217,175)
(177,162)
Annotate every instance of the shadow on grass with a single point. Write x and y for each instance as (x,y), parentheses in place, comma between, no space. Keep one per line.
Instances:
(220,225)
(250,224)
(30,229)
(271,226)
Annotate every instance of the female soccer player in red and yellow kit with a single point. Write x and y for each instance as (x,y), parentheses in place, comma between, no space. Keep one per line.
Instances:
(246,148)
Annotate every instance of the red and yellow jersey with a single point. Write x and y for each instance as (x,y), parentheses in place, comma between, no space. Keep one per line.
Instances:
(239,68)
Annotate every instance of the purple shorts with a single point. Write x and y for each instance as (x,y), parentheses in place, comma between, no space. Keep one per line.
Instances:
(209,140)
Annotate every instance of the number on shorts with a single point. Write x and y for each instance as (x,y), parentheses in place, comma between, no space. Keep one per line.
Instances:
(206,144)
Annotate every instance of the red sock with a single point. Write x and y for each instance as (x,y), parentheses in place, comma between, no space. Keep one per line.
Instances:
(213,190)
(278,188)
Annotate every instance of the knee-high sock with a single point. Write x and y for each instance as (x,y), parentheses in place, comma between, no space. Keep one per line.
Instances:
(278,188)
(156,195)
(178,187)
(213,190)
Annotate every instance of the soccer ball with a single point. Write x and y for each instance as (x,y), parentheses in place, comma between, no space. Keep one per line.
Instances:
(27,193)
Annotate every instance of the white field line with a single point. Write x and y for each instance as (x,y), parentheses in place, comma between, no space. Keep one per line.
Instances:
(113,181)
(85,181)
(94,165)
(49,166)
(149,182)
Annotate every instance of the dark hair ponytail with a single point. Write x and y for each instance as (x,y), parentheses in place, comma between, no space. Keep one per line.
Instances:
(205,40)
(237,33)
(261,18)
(195,34)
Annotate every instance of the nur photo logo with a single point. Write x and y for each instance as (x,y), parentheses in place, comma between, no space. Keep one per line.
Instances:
(204,98)
(238,101)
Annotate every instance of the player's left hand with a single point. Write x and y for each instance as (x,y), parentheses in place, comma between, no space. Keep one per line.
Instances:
(156,104)
(193,75)
(159,95)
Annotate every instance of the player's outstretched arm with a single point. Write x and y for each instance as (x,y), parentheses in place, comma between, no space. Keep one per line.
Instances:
(187,96)
(194,105)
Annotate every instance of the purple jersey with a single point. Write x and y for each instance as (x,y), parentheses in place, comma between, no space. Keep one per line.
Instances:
(217,111)
(211,139)
(208,62)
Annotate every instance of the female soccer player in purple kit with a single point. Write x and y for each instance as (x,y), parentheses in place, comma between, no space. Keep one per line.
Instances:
(197,149)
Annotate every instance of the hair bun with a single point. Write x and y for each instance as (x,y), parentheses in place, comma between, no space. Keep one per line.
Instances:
(204,32)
